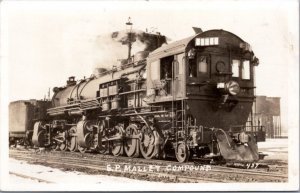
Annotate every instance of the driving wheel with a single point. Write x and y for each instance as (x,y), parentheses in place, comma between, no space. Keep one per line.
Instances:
(72,140)
(131,145)
(147,142)
(117,146)
(182,153)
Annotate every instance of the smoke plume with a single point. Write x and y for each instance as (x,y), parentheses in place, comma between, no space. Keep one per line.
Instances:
(88,51)
(113,47)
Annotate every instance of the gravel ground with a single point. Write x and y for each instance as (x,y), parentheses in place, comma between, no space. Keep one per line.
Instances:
(275,148)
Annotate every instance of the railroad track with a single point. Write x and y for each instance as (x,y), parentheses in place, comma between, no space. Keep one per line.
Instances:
(83,165)
(216,169)
(88,162)
(103,158)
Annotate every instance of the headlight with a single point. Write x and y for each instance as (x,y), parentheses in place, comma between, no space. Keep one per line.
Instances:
(232,87)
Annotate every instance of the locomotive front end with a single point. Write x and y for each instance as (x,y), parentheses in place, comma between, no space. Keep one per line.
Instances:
(220,92)
(206,83)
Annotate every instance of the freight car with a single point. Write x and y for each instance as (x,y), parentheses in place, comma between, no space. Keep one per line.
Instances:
(22,116)
(190,98)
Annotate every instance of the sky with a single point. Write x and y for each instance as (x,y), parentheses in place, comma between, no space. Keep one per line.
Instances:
(45,42)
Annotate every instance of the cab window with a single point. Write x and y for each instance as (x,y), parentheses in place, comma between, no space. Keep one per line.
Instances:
(235,68)
(166,67)
(198,66)
(202,64)
(246,70)
(192,67)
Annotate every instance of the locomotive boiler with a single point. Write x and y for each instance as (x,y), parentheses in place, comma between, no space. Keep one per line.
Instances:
(188,99)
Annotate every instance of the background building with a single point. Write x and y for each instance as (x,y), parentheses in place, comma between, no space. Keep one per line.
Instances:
(266,112)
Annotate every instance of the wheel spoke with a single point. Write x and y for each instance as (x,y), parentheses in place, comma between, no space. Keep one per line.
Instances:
(117,145)
(147,146)
(131,145)
(72,141)
(117,148)
(182,153)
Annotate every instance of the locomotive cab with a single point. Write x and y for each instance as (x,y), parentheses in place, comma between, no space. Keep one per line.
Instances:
(166,75)
(213,71)
(207,82)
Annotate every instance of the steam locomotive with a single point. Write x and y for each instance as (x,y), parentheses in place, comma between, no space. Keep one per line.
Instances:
(187,99)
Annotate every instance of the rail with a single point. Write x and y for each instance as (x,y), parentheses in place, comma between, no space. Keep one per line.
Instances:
(99,163)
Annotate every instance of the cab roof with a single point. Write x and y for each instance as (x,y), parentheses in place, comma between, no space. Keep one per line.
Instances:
(181,45)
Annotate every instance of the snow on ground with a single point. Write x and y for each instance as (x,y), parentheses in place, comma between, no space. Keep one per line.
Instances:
(19,180)
(61,177)
(274,143)
(275,148)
